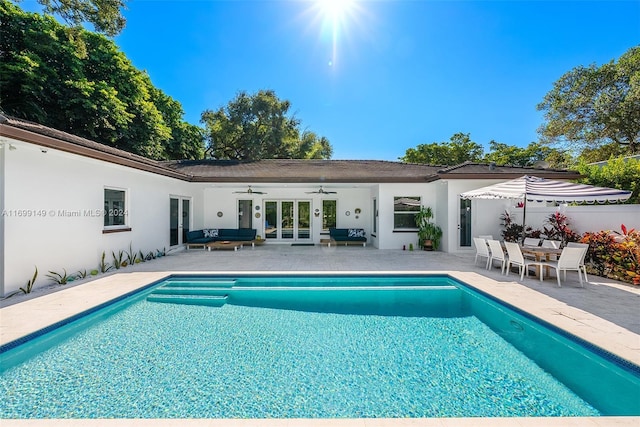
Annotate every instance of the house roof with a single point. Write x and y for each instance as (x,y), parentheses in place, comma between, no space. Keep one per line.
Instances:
(271,170)
(297,170)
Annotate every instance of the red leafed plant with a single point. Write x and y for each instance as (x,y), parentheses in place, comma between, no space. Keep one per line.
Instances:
(615,254)
(560,229)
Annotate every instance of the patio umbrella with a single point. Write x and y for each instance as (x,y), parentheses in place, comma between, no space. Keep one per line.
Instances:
(533,188)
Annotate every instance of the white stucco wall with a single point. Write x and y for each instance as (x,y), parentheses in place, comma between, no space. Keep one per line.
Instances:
(50,200)
(388,238)
(485,214)
(584,218)
(222,198)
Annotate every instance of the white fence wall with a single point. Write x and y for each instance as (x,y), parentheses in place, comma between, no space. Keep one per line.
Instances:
(584,218)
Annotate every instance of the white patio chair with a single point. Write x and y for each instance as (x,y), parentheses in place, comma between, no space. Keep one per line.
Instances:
(584,255)
(497,254)
(577,245)
(516,258)
(551,244)
(486,236)
(482,250)
(530,241)
(569,260)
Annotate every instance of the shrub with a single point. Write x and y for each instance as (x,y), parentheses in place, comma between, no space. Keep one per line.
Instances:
(560,229)
(614,254)
(513,232)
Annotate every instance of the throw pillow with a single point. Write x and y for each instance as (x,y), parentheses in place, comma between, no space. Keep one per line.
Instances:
(356,232)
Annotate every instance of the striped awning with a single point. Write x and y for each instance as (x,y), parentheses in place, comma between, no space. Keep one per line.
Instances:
(540,189)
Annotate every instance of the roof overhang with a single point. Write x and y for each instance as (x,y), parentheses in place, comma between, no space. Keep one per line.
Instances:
(135,162)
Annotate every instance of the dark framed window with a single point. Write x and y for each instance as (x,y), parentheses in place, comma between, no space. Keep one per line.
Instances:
(115,208)
(404,212)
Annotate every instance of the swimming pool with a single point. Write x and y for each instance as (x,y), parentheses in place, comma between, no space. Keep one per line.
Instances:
(256,347)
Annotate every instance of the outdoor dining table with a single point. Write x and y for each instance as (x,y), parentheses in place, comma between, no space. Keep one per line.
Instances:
(540,254)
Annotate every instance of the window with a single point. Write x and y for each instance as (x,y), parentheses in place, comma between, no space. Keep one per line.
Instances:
(115,210)
(329,211)
(404,212)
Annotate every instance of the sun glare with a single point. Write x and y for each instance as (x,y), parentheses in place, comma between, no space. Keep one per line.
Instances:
(335,15)
(335,10)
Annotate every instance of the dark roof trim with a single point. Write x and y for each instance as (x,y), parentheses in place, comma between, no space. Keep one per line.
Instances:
(133,161)
(551,174)
(305,179)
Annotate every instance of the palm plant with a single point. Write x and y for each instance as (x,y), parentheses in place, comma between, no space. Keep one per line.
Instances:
(429,234)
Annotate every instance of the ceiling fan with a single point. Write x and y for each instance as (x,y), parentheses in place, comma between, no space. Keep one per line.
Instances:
(321,191)
(250,191)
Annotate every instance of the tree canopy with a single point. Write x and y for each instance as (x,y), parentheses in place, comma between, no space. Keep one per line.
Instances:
(460,148)
(259,126)
(105,15)
(593,106)
(80,82)
(457,150)
(620,173)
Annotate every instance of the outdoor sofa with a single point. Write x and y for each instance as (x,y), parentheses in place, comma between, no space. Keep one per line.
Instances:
(347,236)
(200,238)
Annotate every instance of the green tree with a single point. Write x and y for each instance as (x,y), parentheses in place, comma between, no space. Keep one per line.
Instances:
(79,82)
(620,173)
(105,15)
(311,146)
(592,106)
(259,126)
(457,150)
(531,155)
(603,152)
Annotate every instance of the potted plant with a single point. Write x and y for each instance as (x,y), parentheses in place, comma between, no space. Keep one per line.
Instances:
(429,234)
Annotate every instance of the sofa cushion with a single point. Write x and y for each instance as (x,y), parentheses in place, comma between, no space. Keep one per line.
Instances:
(192,236)
(338,233)
(235,234)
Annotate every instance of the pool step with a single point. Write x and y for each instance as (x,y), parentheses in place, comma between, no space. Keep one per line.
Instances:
(211,293)
(204,283)
(198,290)
(208,300)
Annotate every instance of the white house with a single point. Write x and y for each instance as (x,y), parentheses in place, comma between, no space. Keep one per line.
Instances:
(65,200)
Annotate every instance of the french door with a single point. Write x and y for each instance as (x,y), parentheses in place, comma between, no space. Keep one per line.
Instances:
(287,220)
(179,220)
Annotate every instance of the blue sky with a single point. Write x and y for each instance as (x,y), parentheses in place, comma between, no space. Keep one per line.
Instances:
(391,74)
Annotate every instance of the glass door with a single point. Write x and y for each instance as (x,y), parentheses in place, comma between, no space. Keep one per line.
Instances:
(179,220)
(464,226)
(271,229)
(244,214)
(304,220)
(287,220)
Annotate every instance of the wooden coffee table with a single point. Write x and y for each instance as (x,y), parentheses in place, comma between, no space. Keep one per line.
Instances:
(224,245)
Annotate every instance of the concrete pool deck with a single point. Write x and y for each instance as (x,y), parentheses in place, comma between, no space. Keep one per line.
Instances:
(604,312)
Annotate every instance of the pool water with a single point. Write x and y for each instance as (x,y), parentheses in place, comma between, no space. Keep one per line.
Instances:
(311,350)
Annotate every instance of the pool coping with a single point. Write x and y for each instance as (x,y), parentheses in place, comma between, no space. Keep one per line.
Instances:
(58,306)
